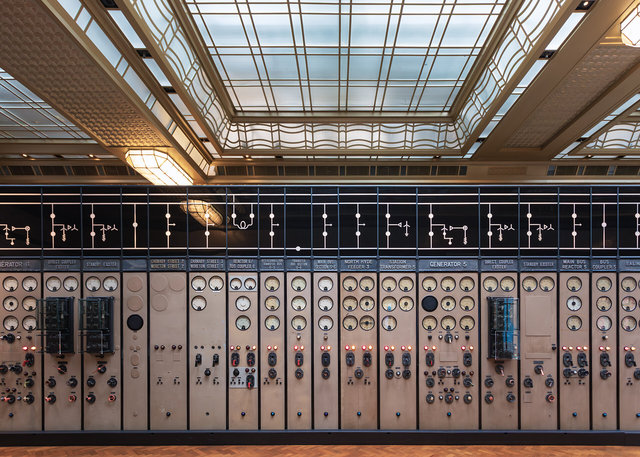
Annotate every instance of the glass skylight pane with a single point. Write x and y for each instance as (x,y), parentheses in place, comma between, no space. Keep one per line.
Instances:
(463,30)
(126,28)
(368,30)
(320,30)
(239,67)
(157,73)
(323,67)
(416,31)
(565,31)
(273,29)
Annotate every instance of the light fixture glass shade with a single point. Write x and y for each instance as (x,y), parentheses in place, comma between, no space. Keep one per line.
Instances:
(203,212)
(158,167)
(630,28)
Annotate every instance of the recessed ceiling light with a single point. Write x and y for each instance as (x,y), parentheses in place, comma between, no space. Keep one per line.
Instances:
(91,156)
(158,167)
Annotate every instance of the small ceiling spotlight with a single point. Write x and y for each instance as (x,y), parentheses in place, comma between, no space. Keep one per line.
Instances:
(630,28)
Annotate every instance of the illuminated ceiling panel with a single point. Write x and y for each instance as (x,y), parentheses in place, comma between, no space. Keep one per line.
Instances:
(365,55)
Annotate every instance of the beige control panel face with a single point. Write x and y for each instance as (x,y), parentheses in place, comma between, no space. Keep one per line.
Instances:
(628,346)
(604,355)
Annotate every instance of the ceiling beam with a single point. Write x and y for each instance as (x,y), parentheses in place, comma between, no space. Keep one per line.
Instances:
(52,147)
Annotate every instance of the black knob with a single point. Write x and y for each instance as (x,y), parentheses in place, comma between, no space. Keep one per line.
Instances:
(430,359)
(367,359)
(17,369)
(235,359)
(488,382)
(567,372)
(91,382)
(358,373)
(582,372)
(467,398)
(549,382)
(207,372)
(272,359)
(389,359)
(102,369)
(406,374)
(550,398)
(430,398)
(350,359)
(50,382)
(325,373)
(431,382)
(51,399)
(298,359)
(62,368)
(511,398)
(448,398)
(9,338)
(605,374)
(510,382)
(29,359)
(467,382)
(442,372)
(112,382)
(91,398)
(448,338)
(299,373)
(29,398)
(72,382)
(488,398)
(389,373)
(3,369)
(272,373)
(251,381)
(636,373)
(538,369)
(29,382)
(455,372)
(9,398)
(528,382)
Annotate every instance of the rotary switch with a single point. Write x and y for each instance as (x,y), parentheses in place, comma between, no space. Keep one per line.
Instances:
(91,398)
(251,359)
(350,359)
(388,373)
(366,359)
(272,373)
(510,381)
(431,382)
(29,359)
(442,372)
(299,373)
(325,358)
(388,360)
(528,382)
(299,359)
(605,374)
(488,382)
(549,382)
(51,399)
(235,359)
(488,398)
(511,397)
(358,373)
(29,399)
(567,360)
(582,359)
(538,370)
(251,381)
(325,373)
(448,398)
(272,359)
(430,398)
(604,360)
(406,359)
(430,359)
(629,360)
(62,368)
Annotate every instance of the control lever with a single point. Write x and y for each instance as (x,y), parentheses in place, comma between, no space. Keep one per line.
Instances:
(500,369)
(629,360)
(299,359)
(430,359)
(604,360)
(538,369)
(198,359)
(567,360)
(582,360)
(251,381)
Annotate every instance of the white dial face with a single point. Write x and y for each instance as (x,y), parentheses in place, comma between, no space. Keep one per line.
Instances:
(507,284)
(349,283)
(629,303)
(547,283)
(490,283)
(349,303)
(367,323)
(325,303)
(10,283)
(325,323)
(604,323)
(448,283)
(603,284)
(366,283)
(70,283)
(54,284)
(628,284)
(574,303)
(92,283)
(467,323)
(198,283)
(325,284)
(429,283)
(10,323)
(529,283)
(249,283)
(29,283)
(629,323)
(110,283)
(29,303)
(298,283)
(406,303)
(243,323)
(298,303)
(10,303)
(603,303)
(448,303)
(429,323)
(243,303)
(389,303)
(236,284)
(29,323)
(574,283)
(367,303)
(216,283)
(405,284)
(389,323)
(467,303)
(298,323)
(350,323)
(198,303)
(448,323)
(272,303)
(574,323)
(272,283)
(467,283)
(389,284)
(272,322)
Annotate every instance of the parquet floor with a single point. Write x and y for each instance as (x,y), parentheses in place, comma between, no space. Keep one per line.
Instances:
(322,451)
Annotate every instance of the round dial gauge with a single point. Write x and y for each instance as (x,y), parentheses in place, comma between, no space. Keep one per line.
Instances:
(325,303)
(272,303)
(325,323)
(547,283)
(529,283)
(10,284)
(507,284)
(272,322)
(10,303)
(603,303)
(110,283)
(298,303)
(349,303)
(10,323)
(467,303)
(298,323)
(29,283)
(92,283)
(629,323)
(366,283)
(367,323)
(325,284)
(574,323)
(467,323)
(429,283)
(448,283)
(574,283)
(389,323)
(249,283)
(272,283)
(29,303)
(198,303)
(216,283)
(53,284)
(389,303)
(243,303)
(389,284)
(490,284)
(235,284)
(604,323)
(70,283)
(448,303)
(29,323)
(299,283)
(628,284)
(406,303)
(467,283)
(349,283)
(603,284)
(405,283)
(429,323)
(367,303)
(574,303)
(448,323)
(629,303)
(350,323)
(243,323)
(198,283)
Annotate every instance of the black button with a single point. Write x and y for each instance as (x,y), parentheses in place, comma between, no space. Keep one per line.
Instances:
(135,322)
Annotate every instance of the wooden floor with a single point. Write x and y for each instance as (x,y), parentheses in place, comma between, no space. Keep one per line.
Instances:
(329,451)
